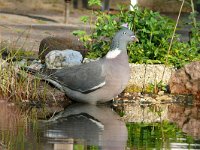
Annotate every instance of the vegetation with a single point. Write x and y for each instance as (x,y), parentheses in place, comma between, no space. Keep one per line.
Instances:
(156,87)
(16,84)
(154,32)
(155,135)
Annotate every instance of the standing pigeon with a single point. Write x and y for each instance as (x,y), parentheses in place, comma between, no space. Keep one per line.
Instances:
(97,81)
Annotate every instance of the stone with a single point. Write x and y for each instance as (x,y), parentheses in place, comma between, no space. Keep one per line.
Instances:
(58,59)
(50,43)
(161,93)
(164,98)
(143,75)
(186,80)
(36,65)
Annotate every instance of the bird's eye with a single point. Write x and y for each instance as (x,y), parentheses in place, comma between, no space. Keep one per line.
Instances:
(124,32)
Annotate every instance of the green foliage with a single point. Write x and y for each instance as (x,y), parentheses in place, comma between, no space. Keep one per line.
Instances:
(106,26)
(154,33)
(156,87)
(82,36)
(94,2)
(154,135)
(85,19)
(195,34)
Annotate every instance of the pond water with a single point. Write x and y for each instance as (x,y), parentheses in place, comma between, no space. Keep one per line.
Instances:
(87,127)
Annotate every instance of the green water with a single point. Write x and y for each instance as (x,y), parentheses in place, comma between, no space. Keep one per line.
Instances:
(158,136)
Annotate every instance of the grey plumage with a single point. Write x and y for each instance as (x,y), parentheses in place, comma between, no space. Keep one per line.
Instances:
(101,80)
(97,125)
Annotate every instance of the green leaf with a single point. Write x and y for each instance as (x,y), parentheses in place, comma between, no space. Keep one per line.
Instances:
(94,2)
(85,19)
(78,32)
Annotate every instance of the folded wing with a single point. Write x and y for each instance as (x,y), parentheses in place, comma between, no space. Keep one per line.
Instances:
(83,78)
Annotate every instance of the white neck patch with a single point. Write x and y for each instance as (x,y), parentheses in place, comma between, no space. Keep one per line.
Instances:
(113,54)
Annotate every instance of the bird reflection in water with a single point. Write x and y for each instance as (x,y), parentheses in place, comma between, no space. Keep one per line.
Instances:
(86,125)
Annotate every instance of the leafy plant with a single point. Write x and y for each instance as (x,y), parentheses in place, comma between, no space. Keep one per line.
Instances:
(94,2)
(154,32)
(156,87)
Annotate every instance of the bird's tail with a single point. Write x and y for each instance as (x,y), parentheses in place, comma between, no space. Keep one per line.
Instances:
(46,75)
(37,73)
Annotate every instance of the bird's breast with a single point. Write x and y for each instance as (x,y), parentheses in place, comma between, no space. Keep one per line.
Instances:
(118,72)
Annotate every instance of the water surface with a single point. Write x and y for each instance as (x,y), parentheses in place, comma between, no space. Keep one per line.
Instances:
(81,127)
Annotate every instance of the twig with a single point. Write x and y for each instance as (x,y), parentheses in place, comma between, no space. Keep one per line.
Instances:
(171,41)
(193,11)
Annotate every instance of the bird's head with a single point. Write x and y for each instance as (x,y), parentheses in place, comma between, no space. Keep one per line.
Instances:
(126,35)
(122,38)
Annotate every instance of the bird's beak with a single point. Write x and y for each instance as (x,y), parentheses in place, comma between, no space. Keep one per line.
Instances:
(135,39)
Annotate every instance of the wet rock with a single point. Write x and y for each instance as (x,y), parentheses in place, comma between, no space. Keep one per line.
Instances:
(59,43)
(186,80)
(148,98)
(58,59)
(164,98)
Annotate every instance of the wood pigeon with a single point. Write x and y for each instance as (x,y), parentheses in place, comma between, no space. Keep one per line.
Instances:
(95,125)
(97,81)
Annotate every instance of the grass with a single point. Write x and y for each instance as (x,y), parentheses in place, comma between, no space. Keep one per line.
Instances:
(15,84)
(33,96)
(19,87)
